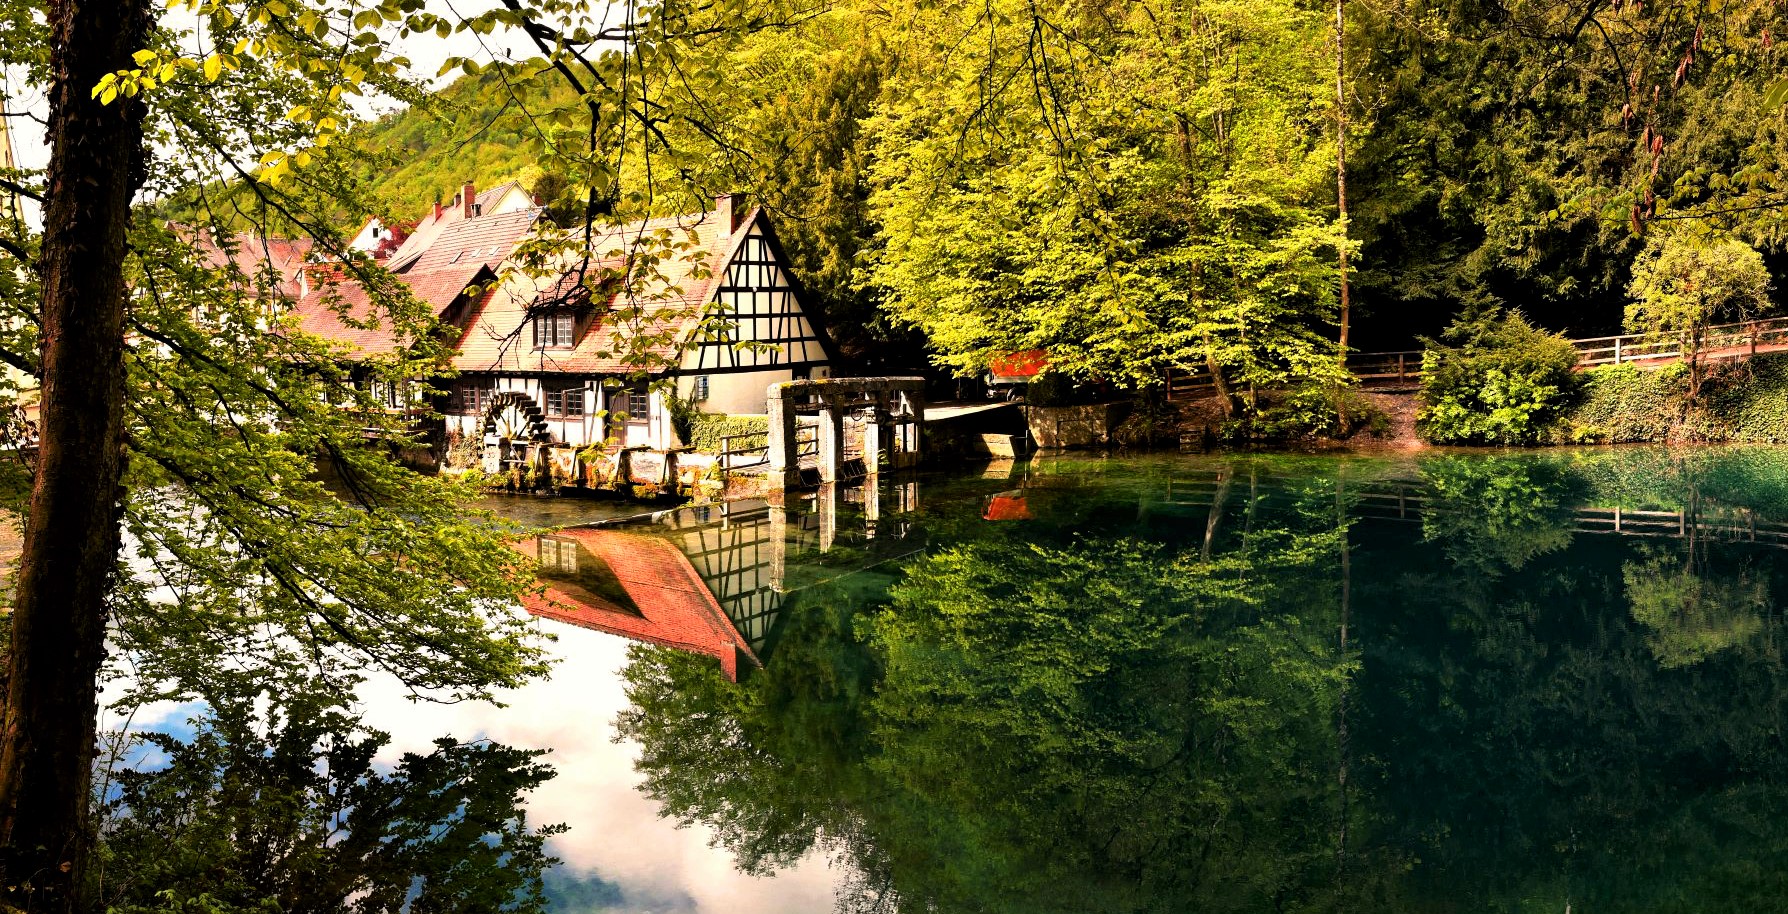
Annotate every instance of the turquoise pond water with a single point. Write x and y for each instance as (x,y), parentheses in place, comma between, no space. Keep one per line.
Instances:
(1446,682)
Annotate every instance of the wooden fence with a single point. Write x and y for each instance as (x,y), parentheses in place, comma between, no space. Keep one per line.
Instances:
(1726,342)
(1412,502)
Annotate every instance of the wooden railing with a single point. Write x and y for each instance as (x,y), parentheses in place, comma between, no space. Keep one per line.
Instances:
(1722,343)
(1726,342)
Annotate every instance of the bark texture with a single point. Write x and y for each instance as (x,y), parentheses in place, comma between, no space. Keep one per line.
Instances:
(72,534)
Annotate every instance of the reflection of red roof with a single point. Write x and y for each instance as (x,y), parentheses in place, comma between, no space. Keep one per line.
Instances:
(1007,506)
(676,609)
(1025,364)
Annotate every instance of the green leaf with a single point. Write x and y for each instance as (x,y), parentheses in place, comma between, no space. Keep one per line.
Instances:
(1777,94)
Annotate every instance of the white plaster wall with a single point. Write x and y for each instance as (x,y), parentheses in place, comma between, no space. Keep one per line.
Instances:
(738,392)
(369,236)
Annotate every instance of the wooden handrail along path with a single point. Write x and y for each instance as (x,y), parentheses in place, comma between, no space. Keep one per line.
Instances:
(1409,501)
(1723,343)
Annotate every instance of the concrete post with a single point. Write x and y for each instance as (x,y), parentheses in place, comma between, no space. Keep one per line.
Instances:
(898,413)
(911,433)
(872,436)
(785,466)
(831,441)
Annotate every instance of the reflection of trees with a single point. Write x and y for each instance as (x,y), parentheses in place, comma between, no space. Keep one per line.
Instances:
(1497,513)
(1148,717)
(1692,611)
(285,810)
(1097,725)
(1532,750)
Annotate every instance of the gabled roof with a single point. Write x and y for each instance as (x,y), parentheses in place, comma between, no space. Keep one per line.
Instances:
(670,603)
(677,263)
(483,239)
(321,312)
(427,231)
(279,261)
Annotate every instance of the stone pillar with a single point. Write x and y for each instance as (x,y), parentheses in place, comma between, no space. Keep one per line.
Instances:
(872,504)
(826,503)
(831,441)
(785,466)
(873,437)
(778,545)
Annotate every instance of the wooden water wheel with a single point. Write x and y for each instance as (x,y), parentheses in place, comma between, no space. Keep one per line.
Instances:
(514,418)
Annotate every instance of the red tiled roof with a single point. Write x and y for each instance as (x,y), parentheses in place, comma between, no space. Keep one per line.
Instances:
(321,313)
(675,608)
(482,239)
(277,260)
(677,261)
(430,226)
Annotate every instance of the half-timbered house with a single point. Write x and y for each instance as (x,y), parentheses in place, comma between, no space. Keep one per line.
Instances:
(704,301)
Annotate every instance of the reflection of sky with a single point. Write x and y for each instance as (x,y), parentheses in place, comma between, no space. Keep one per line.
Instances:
(616,841)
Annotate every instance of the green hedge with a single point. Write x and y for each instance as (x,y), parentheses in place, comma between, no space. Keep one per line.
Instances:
(1745,401)
(706,430)
(1624,403)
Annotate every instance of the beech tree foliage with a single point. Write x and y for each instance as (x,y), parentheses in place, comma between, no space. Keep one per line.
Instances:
(271,539)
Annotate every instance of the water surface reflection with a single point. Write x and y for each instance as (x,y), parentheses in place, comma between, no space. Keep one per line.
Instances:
(1458,682)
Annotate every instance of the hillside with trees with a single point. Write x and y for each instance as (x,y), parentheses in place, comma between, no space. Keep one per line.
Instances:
(1153,186)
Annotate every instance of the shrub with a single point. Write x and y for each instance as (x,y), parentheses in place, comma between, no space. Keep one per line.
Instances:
(461,450)
(706,430)
(1496,379)
(1624,403)
(1746,402)
(1308,411)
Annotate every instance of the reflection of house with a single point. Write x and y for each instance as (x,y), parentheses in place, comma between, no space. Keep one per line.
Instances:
(717,579)
(637,586)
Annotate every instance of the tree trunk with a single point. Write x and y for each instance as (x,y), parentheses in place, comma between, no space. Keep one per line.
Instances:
(72,533)
(1225,398)
(1341,162)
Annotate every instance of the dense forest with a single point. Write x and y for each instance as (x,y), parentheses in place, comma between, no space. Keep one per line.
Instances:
(1143,186)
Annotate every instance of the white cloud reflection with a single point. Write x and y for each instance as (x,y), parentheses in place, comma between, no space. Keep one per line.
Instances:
(616,833)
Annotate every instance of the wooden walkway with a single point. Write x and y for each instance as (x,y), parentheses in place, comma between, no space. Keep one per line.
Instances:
(1391,370)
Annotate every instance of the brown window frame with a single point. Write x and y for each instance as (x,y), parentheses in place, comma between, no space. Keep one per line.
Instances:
(560,397)
(555,329)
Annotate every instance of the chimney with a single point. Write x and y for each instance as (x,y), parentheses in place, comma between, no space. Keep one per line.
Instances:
(728,210)
(437,206)
(466,196)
